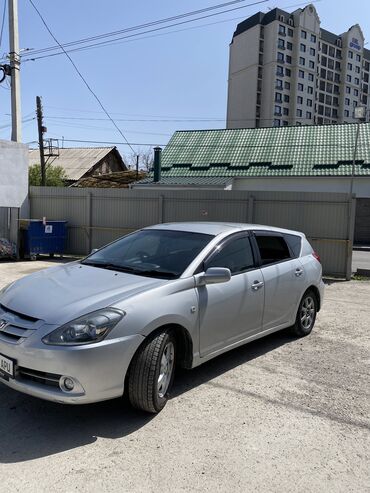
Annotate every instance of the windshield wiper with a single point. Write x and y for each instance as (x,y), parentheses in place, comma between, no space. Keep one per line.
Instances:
(158,273)
(132,270)
(110,266)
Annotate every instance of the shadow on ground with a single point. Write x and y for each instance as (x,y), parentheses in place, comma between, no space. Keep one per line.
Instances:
(31,428)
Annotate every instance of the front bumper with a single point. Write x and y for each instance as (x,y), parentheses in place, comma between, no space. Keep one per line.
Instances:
(98,369)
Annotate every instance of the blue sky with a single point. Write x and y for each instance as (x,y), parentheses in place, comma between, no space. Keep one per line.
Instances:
(177,76)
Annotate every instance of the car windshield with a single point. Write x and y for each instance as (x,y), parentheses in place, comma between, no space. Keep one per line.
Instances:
(152,252)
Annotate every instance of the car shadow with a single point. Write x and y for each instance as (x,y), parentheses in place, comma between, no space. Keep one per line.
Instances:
(31,428)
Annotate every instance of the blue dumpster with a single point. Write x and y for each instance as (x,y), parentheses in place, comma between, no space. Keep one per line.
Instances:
(44,238)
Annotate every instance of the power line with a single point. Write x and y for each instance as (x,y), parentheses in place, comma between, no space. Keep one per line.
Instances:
(81,76)
(141,26)
(2,23)
(105,43)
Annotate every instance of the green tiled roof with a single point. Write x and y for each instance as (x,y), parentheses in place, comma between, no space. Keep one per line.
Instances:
(312,150)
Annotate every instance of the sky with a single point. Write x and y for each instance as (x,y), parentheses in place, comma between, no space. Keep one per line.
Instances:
(174,79)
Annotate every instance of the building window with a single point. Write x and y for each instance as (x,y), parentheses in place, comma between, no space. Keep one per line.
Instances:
(311,64)
(329,87)
(299,113)
(321,97)
(301,74)
(300,86)
(313,38)
(308,115)
(338,53)
(336,89)
(327,112)
(288,59)
(290,32)
(286,98)
(349,66)
(281,44)
(303,34)
(330,75)
(323,73)
(278,97)
(328,99)
(302,61)
(310,90)
(337,65)
(322,85)
(335,101)
(354,104)
(310,77)
(286,111)
(279,84)
(346,113)
(324,61)
(282,29)
(288,72)
(276,122)
(285,123)
(312,51)
(355,92)
(280,70)
(348,78)
(357,81)
(332,51)
(289,45)
(331,63)
(324,48)
(350,54)
(358,57)
(302,48)
(277,110)
(321,109)
(299,100)
(357,69)
(337,78)
(347,102)
(309,102)
(287,85)
(348,90)
(280,56)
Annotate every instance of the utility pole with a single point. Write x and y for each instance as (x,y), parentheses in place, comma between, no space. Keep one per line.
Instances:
(15,71)
(41,130)
(137,166)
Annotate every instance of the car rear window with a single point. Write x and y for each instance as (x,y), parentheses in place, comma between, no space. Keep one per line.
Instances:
(295,244)
(272,248)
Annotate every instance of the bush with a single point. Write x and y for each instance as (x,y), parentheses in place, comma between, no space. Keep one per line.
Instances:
(55,176)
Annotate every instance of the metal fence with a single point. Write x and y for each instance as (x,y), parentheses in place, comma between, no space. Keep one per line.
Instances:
(4,222)
(98,216)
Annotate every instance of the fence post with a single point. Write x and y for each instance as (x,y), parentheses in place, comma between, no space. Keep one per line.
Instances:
(88,221)
(250,209)
(160,208)
(351,232)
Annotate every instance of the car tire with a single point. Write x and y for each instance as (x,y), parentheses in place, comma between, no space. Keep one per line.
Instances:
(306,315)
(151,372)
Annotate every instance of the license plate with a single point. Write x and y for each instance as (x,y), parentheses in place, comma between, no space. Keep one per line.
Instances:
(6,367)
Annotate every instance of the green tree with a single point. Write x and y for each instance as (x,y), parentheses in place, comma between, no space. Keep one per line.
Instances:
(55,176)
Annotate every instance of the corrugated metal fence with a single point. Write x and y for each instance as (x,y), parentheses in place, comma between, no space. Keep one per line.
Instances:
(98,216)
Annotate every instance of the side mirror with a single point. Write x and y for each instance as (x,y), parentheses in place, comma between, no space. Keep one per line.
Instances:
(213,275)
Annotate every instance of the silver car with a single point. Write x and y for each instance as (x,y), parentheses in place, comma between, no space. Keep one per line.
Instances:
(166,296)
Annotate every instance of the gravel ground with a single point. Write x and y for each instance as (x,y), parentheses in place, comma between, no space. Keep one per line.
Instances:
(278,415)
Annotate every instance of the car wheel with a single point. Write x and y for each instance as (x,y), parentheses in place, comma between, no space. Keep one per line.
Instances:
(151,373)
(306,315)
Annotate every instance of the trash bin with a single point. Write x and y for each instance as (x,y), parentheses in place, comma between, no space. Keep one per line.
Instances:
(40,237)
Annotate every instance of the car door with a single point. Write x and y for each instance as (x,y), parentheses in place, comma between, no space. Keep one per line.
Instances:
(283,278)
(228,312)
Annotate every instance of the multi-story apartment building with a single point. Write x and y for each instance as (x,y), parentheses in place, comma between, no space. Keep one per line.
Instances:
(284,69)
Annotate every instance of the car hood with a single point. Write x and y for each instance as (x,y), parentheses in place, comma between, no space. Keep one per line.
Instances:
(60,294)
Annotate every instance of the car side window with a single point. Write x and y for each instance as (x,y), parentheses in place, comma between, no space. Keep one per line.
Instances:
(236,255)
(272,249)
(295,243)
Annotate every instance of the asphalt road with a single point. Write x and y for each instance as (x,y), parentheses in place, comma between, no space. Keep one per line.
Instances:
(278,415)
(360,260)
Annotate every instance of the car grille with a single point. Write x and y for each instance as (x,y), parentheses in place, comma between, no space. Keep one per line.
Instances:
(17,325)
(41,377)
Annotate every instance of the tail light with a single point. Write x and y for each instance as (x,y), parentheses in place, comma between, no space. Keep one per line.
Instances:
(316,256)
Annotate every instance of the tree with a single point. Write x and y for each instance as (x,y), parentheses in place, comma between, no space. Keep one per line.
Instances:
(145,159)
(55,176)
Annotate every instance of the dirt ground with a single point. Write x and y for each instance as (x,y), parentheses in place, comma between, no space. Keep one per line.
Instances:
(277,415)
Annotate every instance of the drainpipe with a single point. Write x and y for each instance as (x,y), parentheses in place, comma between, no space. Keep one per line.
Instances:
(157,164)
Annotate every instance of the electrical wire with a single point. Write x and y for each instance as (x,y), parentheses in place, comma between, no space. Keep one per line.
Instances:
(142,26)
(2,23)
(105,43)
(81,76)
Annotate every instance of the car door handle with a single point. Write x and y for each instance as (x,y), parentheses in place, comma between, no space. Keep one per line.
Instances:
(298,272)
(257,285)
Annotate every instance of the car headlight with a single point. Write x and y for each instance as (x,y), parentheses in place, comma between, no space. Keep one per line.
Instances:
(90,328)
